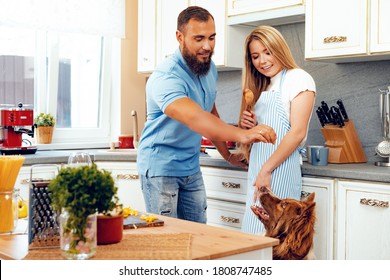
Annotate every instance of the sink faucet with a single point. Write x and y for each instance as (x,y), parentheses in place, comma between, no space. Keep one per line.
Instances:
(135,129)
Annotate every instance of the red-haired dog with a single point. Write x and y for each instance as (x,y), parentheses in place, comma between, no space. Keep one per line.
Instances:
(289,220)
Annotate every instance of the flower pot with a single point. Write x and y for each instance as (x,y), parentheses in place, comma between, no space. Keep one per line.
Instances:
(78,238)
(45,134)
(109,229)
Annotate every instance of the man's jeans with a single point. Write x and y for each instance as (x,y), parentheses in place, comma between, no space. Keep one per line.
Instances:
(178,197)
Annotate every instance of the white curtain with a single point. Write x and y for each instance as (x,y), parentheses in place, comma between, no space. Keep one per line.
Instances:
(99,17)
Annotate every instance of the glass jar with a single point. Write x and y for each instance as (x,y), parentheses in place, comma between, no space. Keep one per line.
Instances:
(78,237)
(9,210)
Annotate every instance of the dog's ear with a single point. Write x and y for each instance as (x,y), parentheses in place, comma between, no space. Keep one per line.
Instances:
(311,197)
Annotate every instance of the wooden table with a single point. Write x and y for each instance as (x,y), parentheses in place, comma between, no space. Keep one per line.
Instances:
(208,242)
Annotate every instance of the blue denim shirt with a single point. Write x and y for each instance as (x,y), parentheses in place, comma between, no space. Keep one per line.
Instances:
(168,147)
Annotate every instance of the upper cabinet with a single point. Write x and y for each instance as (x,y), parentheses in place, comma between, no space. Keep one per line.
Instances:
(257,12)
(347,31)
(157,20)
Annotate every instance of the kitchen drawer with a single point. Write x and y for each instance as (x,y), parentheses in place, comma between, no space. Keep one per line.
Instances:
(225,184)
(225,214)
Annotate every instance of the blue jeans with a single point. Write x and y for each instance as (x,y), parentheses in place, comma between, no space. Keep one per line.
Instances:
(178,197)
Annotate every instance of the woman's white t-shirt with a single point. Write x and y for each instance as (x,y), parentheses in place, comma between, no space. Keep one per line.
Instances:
(295,82)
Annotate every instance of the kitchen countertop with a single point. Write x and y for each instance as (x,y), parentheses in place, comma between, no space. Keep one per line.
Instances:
(207,242)
(350,171)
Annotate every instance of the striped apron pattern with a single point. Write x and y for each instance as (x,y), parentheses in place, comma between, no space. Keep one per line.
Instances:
(286,179)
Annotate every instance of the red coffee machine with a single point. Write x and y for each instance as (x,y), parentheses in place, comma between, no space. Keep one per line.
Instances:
(14,121)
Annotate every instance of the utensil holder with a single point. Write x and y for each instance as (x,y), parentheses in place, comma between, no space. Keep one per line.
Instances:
(43,226)
(343,143)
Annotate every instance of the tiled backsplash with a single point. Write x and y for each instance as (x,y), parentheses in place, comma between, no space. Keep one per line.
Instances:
(357,84)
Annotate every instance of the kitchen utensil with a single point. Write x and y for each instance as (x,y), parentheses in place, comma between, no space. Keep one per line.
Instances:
(321,116)
(339,117)
(43,227)
(384,105)
(342,110)
(326,111)
(249,97)
(383,148)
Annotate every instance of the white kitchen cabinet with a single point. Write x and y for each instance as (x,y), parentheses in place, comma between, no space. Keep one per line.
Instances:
(146,35)
(347,31)
(363,221)
(380,22)
(157,20)
(324,198)
(225,214)
(166,13)
(127,180)
(257,12)
(226,192)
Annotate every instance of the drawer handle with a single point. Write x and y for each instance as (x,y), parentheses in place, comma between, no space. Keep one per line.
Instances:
(127,176)
(374,203)
(230,220)
(230,185)
(335,39)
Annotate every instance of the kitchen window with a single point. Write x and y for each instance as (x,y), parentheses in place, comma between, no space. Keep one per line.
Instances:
(63,58)
(66,74)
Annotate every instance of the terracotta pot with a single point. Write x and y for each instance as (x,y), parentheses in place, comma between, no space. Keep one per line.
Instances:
(109,229)
(44,134)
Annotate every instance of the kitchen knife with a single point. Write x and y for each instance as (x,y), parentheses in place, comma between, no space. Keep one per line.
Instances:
(326,111)
(334,116)
(340,120)
(342,110)
(324,117)
(321,117)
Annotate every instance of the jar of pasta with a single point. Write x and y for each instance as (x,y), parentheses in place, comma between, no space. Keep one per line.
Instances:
(8,210)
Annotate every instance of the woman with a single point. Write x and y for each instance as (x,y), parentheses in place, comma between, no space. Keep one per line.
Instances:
(283,99)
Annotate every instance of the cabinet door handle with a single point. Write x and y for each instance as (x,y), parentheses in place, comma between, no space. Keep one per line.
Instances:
(335,39)
(304,194)
(230,220)
(374,202)
(231,185)
(127,176)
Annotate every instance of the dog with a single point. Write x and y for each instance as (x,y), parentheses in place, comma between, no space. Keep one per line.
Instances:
(289,220)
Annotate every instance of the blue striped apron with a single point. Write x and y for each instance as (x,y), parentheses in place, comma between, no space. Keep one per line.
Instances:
(286,179)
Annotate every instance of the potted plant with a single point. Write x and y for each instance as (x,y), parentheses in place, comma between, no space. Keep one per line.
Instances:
(78,194)
(45,126)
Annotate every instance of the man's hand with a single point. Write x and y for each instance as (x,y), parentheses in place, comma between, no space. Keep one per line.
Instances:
(259,133)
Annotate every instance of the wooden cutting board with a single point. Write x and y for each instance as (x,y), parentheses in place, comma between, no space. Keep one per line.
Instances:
(135,222)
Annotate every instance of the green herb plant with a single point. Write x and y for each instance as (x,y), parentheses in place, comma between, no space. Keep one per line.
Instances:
(45,120)
(82,191)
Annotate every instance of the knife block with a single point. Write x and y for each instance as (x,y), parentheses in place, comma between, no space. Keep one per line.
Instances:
(343,143)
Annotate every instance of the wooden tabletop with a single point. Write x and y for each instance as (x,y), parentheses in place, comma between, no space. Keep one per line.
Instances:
(208,242)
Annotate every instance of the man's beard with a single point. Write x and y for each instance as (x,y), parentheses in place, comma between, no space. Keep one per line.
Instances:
(197,67)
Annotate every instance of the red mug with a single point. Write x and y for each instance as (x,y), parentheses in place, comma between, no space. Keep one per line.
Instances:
(126,142)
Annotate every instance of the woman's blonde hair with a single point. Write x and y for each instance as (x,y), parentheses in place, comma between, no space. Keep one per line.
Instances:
(252,79)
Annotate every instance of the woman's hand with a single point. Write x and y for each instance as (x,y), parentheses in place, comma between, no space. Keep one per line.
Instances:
(262,179)
(248,119)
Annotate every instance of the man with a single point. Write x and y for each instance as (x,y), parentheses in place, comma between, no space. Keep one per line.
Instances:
(180,95)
